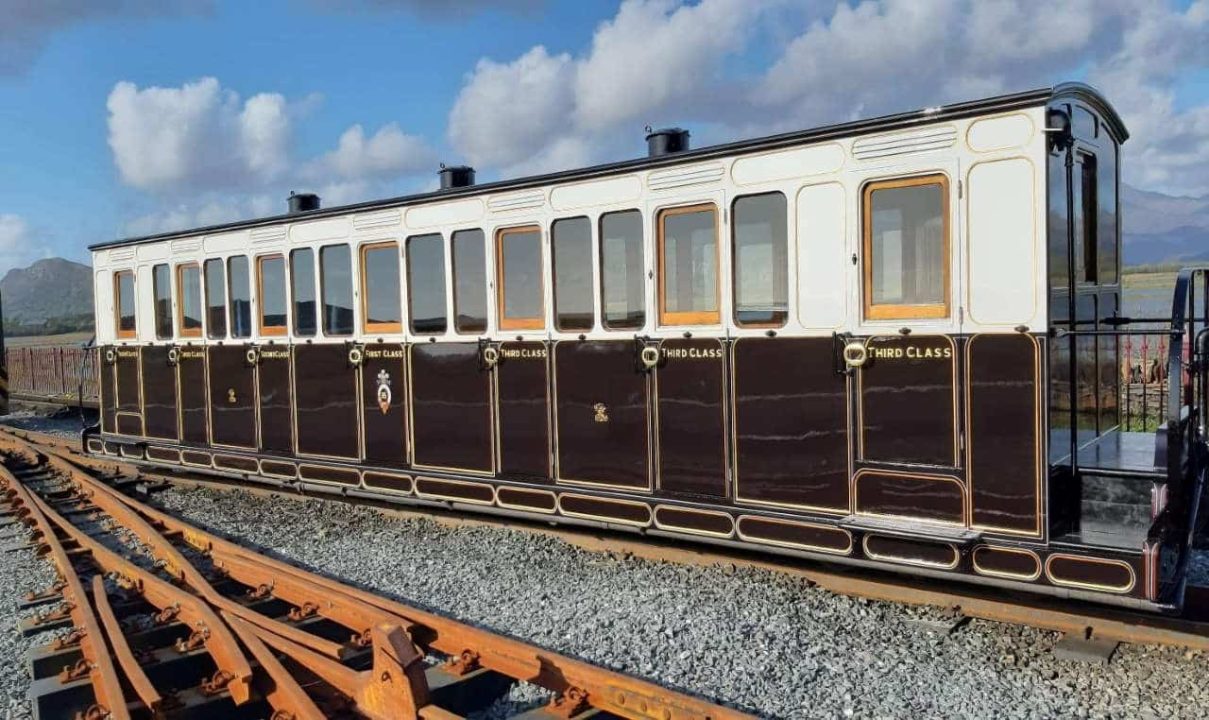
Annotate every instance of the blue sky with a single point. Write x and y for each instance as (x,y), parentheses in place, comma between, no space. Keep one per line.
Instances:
(119,117)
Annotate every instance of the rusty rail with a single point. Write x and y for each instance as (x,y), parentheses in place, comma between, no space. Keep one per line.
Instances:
(379,672)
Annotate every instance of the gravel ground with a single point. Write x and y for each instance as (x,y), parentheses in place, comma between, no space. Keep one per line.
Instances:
(755,639)
(20,572)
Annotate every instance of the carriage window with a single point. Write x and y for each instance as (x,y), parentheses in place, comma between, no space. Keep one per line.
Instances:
(906,248)
(761,261)
(216,301)
(622,270)
(161,285)
(302,289)
(688,266)
(239,297)
(336,274)
(270,271)
(1086,221)
(469,281)
(426,284)
(123,290)
(380,281)
(571,242)
(188,298)
(519,256)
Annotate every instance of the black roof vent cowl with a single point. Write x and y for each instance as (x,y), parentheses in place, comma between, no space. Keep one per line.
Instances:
(456,176)
(666,141)
(302,202)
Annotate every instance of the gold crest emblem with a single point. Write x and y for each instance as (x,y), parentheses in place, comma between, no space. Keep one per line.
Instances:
(602,412)
(384,394)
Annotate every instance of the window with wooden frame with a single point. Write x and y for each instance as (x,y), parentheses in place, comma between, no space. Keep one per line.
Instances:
(302,291)
(216,299)
(189,300)
(622,271)
(123,305)
(426,284)
(270,290)
(906,248)
(380,309)
(687,255)
(239,296)
(161,288)
(519,278)
(469,281)
(760,260)
(571,250)
(336,288)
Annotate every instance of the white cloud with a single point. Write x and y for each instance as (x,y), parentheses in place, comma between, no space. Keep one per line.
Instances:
(388,152)
(211,210)
(196,136)
(29,24)
(18,247)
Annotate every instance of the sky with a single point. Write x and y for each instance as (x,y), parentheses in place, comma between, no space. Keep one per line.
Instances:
(128,117)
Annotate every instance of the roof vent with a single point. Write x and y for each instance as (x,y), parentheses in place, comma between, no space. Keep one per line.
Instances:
(302,202)
(456,176)
(666,141)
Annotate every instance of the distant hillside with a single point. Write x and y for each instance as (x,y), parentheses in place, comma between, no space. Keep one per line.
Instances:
(51,296)
(1161,228)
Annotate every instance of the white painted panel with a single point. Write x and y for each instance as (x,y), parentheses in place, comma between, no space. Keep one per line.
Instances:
(451,213)
(119,255)
(333,229)
(267,234)
(152,251)
(517,201)
(598,192)
(227,242)
(379,219)
(186,245)
(706,174)
(905,143)
(1002,242)
(102,288)
(1009,131)
(800,162)
(822,256)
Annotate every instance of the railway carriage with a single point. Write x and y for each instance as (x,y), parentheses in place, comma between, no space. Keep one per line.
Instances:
(892,343)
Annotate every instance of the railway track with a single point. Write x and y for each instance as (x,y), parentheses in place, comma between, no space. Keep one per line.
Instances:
(154,617)
(1079,622)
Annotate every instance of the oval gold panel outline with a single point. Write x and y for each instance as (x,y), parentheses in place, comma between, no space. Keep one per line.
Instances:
(1049,573)
(999,573)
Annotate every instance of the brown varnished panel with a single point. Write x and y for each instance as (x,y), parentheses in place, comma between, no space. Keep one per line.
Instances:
(323,473)
(524,406)
(690,389)
(455,490)
(192,370)
(325,391)
(705,523)
(925,498)
(129,406)
(236,462)
(532,499)
(793,534)
(451,407)
(1091,573)
(384,397)
(906,396)
(910,552)
(1006,562)
(108,390)
(791,423)
(387,481)
(159,393)
(1003,442)
(276,401)
(626,512)
(601,404)
(232,397)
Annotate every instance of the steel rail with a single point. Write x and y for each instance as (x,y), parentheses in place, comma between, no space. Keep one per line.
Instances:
(195,613)
(139,682)
(284,692)
(576,683)
(102,675)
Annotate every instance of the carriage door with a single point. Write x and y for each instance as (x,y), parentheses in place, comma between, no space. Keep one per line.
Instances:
(908,434)
(450,381)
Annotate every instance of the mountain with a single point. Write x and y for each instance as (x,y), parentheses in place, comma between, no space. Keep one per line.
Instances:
(1160,228)
(53,295)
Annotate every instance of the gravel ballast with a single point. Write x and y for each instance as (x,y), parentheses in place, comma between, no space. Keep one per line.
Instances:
(760,640)
(21,571)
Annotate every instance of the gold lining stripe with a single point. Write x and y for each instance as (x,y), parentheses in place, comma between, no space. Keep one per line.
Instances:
(910,561)
(499,500)
(785,543)
(420,492)
(693,531)
(1120,589)
(605,501)
(1001,574)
